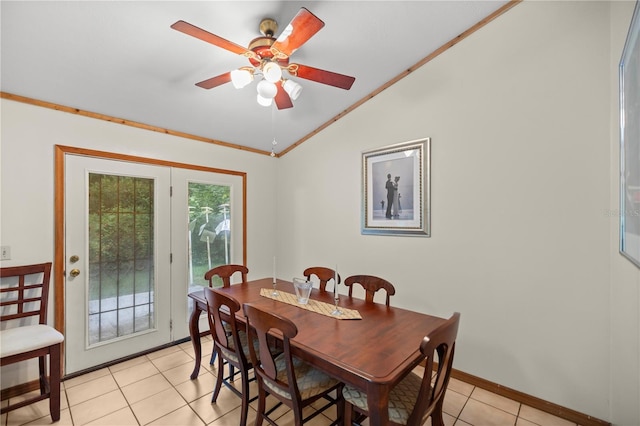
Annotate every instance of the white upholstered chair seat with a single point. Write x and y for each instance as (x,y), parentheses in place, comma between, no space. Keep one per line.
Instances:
(28,338)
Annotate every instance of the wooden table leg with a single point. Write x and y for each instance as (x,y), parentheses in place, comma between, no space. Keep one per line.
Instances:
(194,331)
(378,404)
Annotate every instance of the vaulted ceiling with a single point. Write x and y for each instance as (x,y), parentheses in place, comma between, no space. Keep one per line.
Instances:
(122,59)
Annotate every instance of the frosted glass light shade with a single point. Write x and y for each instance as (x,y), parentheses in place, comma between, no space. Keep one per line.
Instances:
(264,101)
(266,89)
(272,72)
(292,88)
(241,78)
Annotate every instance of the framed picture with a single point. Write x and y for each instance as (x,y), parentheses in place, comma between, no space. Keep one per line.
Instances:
(630,142)
(396,189)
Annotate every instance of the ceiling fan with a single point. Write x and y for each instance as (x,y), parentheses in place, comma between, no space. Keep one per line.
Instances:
(268,57)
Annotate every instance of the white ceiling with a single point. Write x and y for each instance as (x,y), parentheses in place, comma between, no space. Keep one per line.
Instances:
(122,59)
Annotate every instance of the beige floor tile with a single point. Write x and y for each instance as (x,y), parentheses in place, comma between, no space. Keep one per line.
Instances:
(453,403)
(209,412)
(163,352)
(145,388)
(232,418)
(188,348)
(448,420)
(213,368)
(65,420)
(91,389)
(288,419)
(86,378)
(157,406)
(182,416)
(35,411)
(542,418)
(96,408)
(122,417)
(182,373)
(490,398)
(460,386)
(172,360)
(480,414)
(128,364)
(194,389)
(135,373)
(522,422)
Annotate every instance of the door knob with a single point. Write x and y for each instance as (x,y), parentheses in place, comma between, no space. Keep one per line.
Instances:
(74,259)
(74,272)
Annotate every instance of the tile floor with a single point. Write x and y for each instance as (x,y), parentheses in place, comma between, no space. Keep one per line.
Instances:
(155,389)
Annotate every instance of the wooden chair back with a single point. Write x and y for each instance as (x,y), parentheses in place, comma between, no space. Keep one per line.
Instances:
(225,272)
(323,274)
(221,309)
(437,346)
(259,323)
(371,285)
(25,292)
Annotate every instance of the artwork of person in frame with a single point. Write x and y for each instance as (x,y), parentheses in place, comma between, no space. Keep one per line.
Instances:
(392,181)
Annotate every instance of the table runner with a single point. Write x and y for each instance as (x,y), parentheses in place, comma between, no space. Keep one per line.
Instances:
(313,305)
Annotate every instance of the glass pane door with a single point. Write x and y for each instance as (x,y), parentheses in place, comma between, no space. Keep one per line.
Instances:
(210,227)
(121,267)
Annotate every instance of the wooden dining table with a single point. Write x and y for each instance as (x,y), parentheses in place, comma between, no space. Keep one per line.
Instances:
(373,353)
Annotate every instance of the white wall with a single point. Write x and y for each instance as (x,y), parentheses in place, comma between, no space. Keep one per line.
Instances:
(625,277)
(520,116)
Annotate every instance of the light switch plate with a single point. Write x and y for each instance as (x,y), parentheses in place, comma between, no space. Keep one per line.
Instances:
(5,253)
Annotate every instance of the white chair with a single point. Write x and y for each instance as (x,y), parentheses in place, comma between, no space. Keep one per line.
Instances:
(24,293)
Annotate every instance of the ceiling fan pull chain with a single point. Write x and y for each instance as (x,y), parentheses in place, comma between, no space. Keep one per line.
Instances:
(273,130)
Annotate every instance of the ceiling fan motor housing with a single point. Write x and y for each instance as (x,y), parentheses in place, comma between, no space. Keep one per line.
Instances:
(261,45)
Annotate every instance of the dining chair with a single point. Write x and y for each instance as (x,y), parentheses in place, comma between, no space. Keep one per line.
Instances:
(25,293)
(289,379)
(323,274)
(371,285)
(224,272)
(230,346)
(415,398)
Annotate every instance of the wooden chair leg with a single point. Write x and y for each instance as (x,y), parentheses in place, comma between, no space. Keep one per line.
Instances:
(348,414)
(42,367)
(54,388)
(219,378)
(245,397)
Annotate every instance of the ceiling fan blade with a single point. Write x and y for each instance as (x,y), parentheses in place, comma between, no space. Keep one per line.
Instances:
(203,35)
(321,76)
(301,28)
(215,81)
(283,101)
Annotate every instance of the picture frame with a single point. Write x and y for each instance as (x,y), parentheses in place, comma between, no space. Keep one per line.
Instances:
(629,73)
(396,189)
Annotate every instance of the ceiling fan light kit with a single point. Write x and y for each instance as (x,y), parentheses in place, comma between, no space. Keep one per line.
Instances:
(241,77)
(269,57)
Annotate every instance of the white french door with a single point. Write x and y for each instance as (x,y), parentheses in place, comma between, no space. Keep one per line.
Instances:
(207,228)
(138,238)
(117,254)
